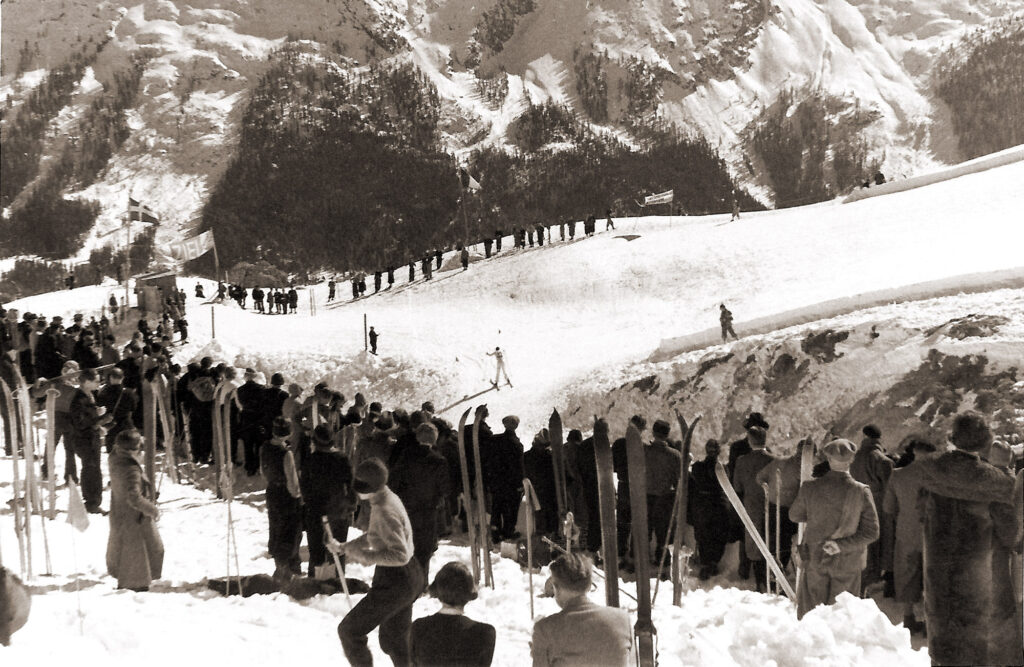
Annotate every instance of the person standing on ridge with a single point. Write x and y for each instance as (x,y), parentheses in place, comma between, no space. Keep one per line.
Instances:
(725,319)
(608,224)
(373,341)
(464,256)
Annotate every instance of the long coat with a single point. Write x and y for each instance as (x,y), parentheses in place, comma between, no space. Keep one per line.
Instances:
(135,552)
(837,508)
(583,633)
(965,502)
(901,502)
(744,480)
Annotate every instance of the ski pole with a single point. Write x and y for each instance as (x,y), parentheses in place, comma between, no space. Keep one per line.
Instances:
(337,561)
(669,534)
(767,538)
(778,515)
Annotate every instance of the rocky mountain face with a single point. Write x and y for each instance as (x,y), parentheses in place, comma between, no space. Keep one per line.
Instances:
(154,101)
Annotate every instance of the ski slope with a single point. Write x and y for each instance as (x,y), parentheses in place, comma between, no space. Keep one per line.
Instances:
(566,315)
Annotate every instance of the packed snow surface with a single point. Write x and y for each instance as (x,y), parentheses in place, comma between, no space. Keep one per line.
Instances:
(563,314)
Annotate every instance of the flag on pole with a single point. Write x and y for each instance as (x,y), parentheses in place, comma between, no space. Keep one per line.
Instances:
(141,212)
(196,246)
(467,180)
(660,198)
(77,516)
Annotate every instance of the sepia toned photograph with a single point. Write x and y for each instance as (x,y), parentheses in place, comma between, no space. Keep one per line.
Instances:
(451,333)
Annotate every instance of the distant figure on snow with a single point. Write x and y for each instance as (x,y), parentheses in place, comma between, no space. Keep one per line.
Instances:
(608,220)
(464,256)
(735,207)
(199,291)
(373,341)
(725,318)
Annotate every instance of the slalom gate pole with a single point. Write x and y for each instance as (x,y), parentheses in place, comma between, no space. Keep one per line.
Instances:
(337,561)
(778,517)
(213,324)
(366,336)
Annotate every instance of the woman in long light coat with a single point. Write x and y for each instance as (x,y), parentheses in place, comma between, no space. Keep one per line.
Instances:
(135,552)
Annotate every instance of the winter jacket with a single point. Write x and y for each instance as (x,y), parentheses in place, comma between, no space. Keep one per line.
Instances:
(85,419)
(661,464)
(707,501)
(965,501)
(135,553)
(872,467)
(420,479)
(583,634)
(251,417)
(504,473)
(120,402)
(326,484)
(388,540)
(824,503)
(790,469)
(451,640)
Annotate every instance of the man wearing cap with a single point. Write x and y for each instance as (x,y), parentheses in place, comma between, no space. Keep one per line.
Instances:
(662,464)
(736,450)
(504,478)
(397,579)
(284,499)
(841,523)
(120,403)
(326,483)
(744,480)
(966,504)
(250,420)
(420,479)
(87,419)
(872,467)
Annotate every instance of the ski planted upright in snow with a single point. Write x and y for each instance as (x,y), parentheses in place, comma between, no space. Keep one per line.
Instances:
(606,502)
(644,629)
(20,521)
(483,525)
(467,495)
(806,468)
(748,523)
(682,501)
(558,461)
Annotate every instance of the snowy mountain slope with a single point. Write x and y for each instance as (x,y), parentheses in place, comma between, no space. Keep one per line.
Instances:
(717,64)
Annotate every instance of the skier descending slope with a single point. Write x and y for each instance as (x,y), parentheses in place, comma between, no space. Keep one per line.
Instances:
(500,371)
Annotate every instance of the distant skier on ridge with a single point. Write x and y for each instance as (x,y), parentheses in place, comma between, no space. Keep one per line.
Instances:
(500,368)
(725,318)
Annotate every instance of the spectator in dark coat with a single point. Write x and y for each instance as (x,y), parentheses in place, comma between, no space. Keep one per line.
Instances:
(582,633)
(87,419)
(420,479)
(966,502)
(872,467)
(662,464)
(135,552)
(586,469)
(120,403)
(504,479)
(449,638)
(707,511)
(736,450)
(744,480)
(539,468)
(251,420)
(623,510)
(326,484)
(277,462)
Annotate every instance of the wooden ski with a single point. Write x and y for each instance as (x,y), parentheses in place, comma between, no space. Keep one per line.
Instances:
(644,628)
(24,550)
(748,523)
(558,460)
(606,502)
(806,469)
(484,533)
(683,499)
(51,446)
(467,495)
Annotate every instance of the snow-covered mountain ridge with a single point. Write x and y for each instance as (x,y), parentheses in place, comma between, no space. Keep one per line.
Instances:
(709,67)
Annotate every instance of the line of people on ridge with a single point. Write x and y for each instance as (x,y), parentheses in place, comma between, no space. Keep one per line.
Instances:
(272,301)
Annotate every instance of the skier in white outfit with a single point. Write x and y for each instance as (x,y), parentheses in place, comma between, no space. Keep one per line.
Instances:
(500,370)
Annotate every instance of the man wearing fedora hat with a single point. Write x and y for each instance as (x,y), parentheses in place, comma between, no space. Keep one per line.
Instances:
(398,578)
(841,523)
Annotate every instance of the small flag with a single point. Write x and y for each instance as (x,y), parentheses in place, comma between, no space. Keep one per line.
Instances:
(467,180)
(141,212)
(77,516)
(660,198)
(196,246)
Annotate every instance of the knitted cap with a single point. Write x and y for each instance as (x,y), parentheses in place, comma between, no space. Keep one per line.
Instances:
(371,476)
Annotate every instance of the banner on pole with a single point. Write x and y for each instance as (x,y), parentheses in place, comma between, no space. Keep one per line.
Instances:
(196,246)
(660,198)
(139,211)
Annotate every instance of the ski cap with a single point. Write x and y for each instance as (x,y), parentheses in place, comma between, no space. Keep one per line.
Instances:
(840,450)
(371,476)
(661,429)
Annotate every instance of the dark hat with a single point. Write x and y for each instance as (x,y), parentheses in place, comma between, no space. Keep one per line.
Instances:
(277,380)
(250,372)
(375,408)
(281,428)
(661,429)
(511,422)
(322,437)
(970,432)
(872,431)
(371,476)
(56,319)
(428,406)
(755,419)
(78,317)
(385,423)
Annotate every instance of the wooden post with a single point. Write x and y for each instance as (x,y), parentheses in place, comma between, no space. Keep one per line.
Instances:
(366,335)
(51,443)
(213,324)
